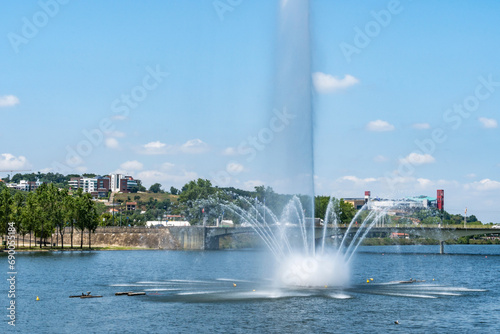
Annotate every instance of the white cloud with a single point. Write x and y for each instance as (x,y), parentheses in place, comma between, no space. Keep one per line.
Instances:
(194,146)
(229,151)
(417,159)
(111,143)
(132,165)
(380,158)
(421,126)
(488,123)
(251,184)
(47,170)
(471,175)
(379,126)
(8,101)
(424,183)
(154,147)
(167,166)
(357,180)
(176,177)
(484,185)
(234,168)
(9,161)
(326,83)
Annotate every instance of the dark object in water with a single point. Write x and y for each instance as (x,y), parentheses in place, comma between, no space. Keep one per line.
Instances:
(412,281)
(136,293)
(123,293)
(89,296)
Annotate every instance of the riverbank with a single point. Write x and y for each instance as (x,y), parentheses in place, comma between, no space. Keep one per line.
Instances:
(148,239)
(69,249)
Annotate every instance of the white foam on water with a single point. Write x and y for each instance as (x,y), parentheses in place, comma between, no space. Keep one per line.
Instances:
(411,295)
(125,284)
(233,280)
(339,296)
(190,281)
(191,293)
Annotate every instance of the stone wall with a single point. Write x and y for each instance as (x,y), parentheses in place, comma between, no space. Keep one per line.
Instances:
(188,238)
(156,238)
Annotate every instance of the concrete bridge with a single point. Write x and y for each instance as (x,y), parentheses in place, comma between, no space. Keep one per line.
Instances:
(199,237)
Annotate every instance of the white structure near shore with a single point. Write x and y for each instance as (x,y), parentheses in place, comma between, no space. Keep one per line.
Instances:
(157,223)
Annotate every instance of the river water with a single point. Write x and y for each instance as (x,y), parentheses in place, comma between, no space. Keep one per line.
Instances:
(234,292)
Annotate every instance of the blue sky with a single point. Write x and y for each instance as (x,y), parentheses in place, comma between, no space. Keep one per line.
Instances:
(169,91)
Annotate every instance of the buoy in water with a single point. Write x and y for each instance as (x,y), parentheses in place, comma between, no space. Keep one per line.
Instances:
(253,290)
(367,281)
(234,284)
(326,286)
(371,279)
(37,299)
(396,322)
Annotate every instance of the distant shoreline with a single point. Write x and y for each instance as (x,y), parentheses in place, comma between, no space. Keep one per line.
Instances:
(366,242)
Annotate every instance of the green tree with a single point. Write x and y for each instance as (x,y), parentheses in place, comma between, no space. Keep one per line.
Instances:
(17,208)
(106,219)
(345,211)
(86,215)
(70,208)
(174,191)
(194,190)
(155,188)
(61,212)
(45,219)
(320,206)
(5,211)
(30,213)
(134,189)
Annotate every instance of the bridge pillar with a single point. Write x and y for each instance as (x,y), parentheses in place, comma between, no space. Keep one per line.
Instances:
(210,242)
(441,247)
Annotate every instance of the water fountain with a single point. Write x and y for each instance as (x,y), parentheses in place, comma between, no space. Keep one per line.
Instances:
(306,253)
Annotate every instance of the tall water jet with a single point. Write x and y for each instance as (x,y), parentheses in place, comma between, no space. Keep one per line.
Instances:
(291,156)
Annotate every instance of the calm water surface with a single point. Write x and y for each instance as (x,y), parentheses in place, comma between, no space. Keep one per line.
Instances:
(206,292)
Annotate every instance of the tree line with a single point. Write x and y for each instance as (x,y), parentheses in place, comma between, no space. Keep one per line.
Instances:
(46,210)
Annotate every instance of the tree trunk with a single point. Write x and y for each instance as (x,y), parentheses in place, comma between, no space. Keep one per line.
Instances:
(81,240)
(62,238)
(71,234)
(89,240)
(30,239)
(41,237)
(57,236)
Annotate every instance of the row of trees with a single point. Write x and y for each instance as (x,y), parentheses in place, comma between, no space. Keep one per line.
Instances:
(48,210)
